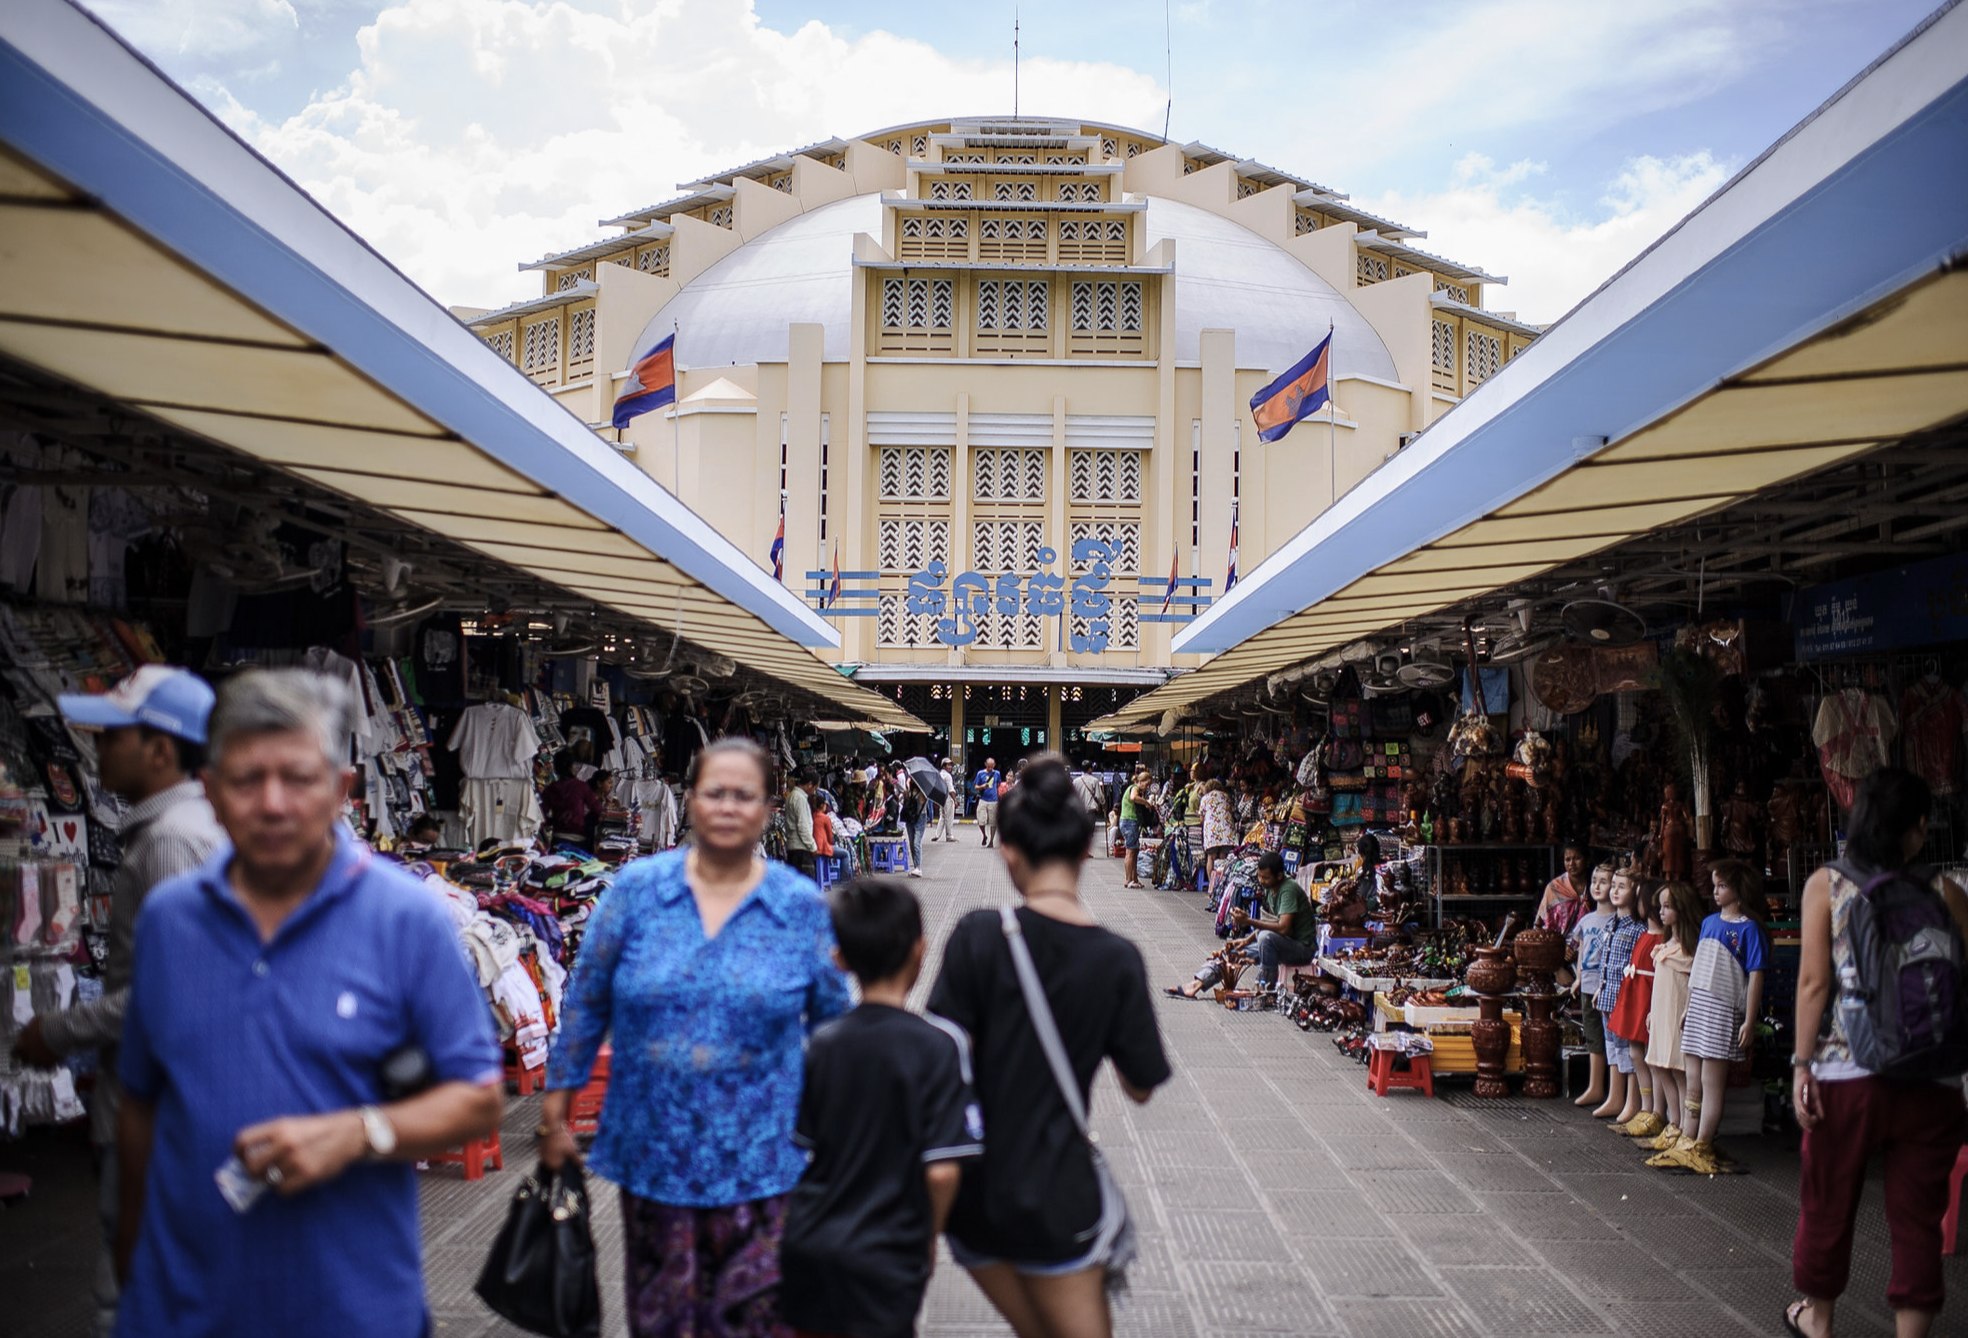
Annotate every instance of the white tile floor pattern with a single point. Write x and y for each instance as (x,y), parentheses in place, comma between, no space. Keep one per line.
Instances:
(1273,1194)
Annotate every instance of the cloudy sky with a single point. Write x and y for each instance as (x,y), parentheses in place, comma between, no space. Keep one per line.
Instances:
(1549,140)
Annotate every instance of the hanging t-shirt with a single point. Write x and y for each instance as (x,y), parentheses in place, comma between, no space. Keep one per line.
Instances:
(1853,732)
(441,660)
(1933,718)
(495,741)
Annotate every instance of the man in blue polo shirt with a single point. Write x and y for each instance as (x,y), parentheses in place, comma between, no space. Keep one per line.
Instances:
(267,1182)
(985,784)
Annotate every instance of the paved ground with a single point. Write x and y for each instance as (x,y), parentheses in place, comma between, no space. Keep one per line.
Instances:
(1273,1193)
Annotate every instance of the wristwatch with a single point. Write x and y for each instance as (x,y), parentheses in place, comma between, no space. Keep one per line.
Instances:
(1801,1061)
(379,1132)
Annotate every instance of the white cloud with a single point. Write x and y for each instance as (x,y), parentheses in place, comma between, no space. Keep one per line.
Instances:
(1554,256)
(478,133)
(211,28)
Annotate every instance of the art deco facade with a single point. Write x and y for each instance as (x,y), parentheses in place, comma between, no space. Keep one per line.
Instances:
(980,343)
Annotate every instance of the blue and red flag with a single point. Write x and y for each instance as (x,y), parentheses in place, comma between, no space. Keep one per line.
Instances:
(779,545)
(651,383)
(1300,392)
(834,587)
(1230,579)
(1174,571)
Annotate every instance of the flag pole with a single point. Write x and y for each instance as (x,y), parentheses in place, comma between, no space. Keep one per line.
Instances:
(676,416)
(1332,424)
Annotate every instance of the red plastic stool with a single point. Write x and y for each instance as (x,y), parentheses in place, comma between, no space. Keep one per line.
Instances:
(524,1081)
(584,1113)
(1951,1224)
(475,1156)
(1383,1077)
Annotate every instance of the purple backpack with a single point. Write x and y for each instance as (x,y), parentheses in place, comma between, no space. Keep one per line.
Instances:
(1902,1002)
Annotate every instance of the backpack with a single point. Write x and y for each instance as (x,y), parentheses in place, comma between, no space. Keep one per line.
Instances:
(1903,1002)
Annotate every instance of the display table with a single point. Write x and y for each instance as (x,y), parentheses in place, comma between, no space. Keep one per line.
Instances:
(1368,984)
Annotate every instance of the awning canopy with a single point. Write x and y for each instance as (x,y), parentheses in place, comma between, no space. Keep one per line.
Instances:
(1805,315)
(150,257)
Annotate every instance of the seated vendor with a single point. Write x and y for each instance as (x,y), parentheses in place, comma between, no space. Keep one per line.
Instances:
(1287,934)
(570,803)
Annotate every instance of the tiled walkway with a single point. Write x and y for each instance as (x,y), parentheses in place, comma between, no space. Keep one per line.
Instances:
(1274,1195)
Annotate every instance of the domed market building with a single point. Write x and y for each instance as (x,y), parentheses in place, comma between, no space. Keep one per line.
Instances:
(994,379)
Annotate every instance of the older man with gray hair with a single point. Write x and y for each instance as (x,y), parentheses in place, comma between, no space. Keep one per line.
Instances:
(281,994)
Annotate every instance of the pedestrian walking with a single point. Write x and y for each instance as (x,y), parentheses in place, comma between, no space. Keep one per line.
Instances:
(270,986)
(705,968)
(985,786)
(1031,1222)
(946,810)
(801,852)
(1849,1110)
(887,1113)
(150,747)
(915,818)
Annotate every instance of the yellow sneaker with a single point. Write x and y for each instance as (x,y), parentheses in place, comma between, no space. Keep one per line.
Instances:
(1666,1139)
(1645,1125)
(1668,1159)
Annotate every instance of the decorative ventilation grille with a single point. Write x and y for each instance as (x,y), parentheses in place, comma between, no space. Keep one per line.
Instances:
(1080,192)
(1104,476)
(569,277)
(1304,222)
(1247,188)
(654,259)
(919,146)
(937,237)
(944,189)
(1012,239)
(1017,631)
(1123,624)
(1006,545)
(1135,148)
(910,545)
(964,158)
(626,260)
(1455,291)
(1008,475)
(1483,355)
(501,344)
(915,473)
(783,182)
(1097,241)
(1011,304)
(895,626)
(580,337)
(540,346)
(894,146)
(1107,305)
(1371,268)
(917,315)
(1110,148)
(1442,349)
(720,216)
(1126,533)
(1018,192)
(1015,157)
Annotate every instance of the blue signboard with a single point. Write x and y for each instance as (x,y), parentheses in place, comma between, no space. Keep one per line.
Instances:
(1043,595)
(1920,605)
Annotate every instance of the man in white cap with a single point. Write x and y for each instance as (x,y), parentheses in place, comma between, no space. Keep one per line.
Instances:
(150,746)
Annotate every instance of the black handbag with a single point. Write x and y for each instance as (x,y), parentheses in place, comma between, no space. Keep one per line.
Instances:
(541,1272)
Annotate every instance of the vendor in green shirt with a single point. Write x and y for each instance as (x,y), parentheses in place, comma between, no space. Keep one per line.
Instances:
(1286,935)
(1290,937)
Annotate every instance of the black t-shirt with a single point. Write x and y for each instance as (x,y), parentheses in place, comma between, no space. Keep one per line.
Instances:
(886,1094)
(1034,1198)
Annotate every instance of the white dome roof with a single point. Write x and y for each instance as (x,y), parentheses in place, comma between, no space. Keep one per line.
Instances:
(1226,277)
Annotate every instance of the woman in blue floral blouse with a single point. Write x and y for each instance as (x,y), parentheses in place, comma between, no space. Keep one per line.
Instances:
(706,967)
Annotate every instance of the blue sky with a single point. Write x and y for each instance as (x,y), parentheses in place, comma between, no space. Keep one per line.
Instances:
(1550,140)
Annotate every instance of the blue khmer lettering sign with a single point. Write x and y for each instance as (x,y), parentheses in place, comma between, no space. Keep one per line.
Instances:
(1920,605)
(971,595)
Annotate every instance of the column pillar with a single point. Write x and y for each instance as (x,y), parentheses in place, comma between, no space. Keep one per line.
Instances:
(957,752)
(1055,733)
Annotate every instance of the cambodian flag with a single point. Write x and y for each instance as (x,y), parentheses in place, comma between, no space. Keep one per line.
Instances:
(1230,579)
(779,546)
(834,589)
(1300,392)
(1169,598)
(651,383)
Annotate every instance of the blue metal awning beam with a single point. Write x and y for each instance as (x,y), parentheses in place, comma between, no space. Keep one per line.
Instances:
(77,102)
(1864,198)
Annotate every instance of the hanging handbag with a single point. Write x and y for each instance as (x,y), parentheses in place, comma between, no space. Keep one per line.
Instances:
(1113,1244)
(540,1274)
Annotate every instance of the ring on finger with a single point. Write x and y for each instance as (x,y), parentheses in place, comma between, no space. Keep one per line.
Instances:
(274,1175)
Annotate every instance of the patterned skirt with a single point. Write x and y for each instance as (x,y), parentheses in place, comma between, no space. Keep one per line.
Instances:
(703,1272)
(1710,1031)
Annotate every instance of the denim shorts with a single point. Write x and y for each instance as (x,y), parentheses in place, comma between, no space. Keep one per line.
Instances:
(1130,833)
(972,1259)
(1619,1050)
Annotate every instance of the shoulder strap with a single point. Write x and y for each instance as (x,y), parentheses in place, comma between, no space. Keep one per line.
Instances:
(1042,1023)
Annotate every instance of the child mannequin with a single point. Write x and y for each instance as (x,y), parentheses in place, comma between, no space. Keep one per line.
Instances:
(1629,1019)
(1725,996)
(1622,1088)
(1679,910)
(1588,938)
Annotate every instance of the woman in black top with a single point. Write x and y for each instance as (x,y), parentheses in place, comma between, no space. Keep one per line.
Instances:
(1025,1217)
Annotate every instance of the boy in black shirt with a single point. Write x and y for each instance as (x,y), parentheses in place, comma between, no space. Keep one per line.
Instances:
(887,1113)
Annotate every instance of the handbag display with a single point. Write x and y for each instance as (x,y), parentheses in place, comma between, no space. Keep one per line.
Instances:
(1113,1234)
(540,1274)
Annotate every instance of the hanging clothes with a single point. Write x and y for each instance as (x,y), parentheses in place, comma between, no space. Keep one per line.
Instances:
(1854,733)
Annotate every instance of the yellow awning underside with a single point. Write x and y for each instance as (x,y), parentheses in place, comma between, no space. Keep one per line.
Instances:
(1893,372)
(85,297)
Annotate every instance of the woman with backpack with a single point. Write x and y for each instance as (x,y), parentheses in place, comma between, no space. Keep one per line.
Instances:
(1882,1039)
